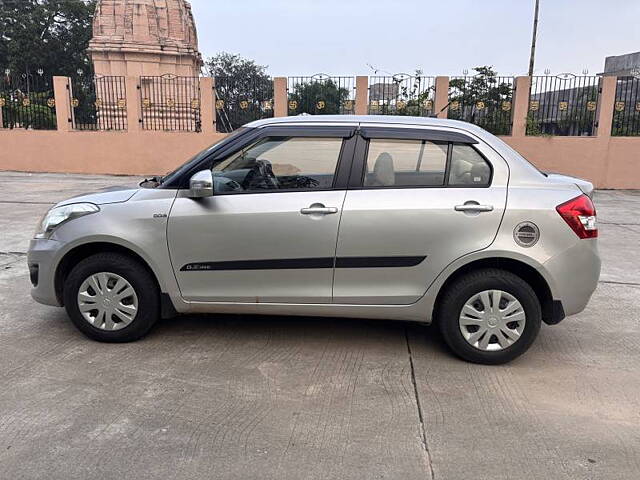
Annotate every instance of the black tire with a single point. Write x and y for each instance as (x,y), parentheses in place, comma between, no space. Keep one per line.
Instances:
(140,279)
(463,288)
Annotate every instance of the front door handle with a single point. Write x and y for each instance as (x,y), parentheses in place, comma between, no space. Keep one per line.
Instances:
(318,209)
(473,207)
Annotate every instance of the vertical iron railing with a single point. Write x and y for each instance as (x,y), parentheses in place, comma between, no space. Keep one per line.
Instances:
(484,100)
(563,105)
(98,103)
(170,103)
(27,100)
(242,100)
(321,95)
(626,109)
(402,94)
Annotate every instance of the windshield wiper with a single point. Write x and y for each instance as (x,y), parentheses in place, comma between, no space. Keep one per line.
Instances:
(152,182)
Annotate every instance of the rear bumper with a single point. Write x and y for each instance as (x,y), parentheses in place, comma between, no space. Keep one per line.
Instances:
(575,273)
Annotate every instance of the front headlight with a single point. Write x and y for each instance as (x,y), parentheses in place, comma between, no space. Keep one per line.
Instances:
(58,215)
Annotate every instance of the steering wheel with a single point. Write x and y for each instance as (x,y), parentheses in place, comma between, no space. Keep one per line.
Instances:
(262,172)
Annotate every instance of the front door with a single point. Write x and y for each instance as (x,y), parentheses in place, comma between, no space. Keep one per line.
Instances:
(417,205)
(269,232)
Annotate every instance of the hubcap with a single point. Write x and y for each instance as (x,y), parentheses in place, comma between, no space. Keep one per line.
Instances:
(107,301)
(492,320)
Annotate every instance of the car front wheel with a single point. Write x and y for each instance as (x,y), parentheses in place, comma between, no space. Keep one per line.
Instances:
(489,316)
(111,298)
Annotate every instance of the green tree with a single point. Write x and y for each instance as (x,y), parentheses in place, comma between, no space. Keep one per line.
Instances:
(52,35)
(244,91)
(322,96)
(482,100)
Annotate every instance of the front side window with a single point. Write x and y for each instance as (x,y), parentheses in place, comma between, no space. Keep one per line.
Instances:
(280,163)
(401,163)
(468,167)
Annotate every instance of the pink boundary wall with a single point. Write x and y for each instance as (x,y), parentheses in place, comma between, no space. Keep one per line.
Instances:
(609,162)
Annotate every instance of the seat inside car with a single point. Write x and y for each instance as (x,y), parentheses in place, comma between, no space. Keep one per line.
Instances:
(383,172)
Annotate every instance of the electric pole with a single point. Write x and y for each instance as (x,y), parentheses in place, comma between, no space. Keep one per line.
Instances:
(533,39)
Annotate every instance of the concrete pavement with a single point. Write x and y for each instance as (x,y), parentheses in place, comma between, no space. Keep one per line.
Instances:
(301,398)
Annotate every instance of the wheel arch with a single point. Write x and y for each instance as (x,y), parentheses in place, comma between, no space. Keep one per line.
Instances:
(522,269)
(80,252)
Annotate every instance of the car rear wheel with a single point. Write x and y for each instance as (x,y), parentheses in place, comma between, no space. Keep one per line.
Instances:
(489,316)
(111,298)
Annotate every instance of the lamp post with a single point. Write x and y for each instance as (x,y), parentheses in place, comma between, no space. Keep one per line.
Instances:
(533,39)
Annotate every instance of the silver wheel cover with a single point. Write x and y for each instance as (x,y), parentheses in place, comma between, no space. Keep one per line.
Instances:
(492,320)
(107,301)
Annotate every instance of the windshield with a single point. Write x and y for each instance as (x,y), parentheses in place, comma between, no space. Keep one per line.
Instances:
(174,175)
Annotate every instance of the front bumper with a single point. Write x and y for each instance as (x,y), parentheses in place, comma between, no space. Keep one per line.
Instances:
(43,257)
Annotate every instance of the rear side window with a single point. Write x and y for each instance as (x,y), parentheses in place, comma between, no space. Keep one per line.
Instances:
(468,167)
(403,163)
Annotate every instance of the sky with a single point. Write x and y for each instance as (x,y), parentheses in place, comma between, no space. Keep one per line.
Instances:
(343,37)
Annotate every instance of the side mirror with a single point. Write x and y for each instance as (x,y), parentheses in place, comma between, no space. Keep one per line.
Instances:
(201,184)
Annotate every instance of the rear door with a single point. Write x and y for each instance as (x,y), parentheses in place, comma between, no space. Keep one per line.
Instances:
(418,199)
(269,232)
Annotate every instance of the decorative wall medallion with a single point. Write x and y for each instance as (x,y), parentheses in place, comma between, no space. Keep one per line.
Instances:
(51,102)
(146,103)
(563,106)
(348,104)
(427,104)
(3,102)
(26,102)
(534,105)
(591,106)
(619,106)
(637,106)
(455,105)
(267,105)
(320,104)
(244,104)
(293,105)
(75,102)
(195,104)
(480,105)
(122,103)
(219,104)
(401,104)
(506,106)
(171,102)
(98,103)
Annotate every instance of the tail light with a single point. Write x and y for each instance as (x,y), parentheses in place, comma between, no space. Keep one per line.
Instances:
(580,215)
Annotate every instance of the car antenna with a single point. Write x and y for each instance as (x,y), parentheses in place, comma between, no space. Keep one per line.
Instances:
(435,115)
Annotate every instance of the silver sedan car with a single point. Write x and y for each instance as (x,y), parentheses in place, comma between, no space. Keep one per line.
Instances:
(397,218)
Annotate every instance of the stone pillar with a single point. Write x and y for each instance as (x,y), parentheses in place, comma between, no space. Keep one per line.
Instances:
(520,106)
(606,105)
(207,106)
(63,105)
(441,97)
(134,112)
(280,99)
(362,95)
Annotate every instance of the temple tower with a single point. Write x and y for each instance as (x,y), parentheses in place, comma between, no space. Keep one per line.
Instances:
(144,37)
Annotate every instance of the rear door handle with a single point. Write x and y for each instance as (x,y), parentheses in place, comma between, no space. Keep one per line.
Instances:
(318,210)
(473,207)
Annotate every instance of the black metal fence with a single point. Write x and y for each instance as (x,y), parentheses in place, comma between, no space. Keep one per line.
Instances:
(170,103)
(239,101)
(402,94)
(484,100)
(563,105)
(27,101)
(626,110)
(98,103)
(321,95)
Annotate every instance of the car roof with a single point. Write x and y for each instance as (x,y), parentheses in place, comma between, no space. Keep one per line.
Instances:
(390,120)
